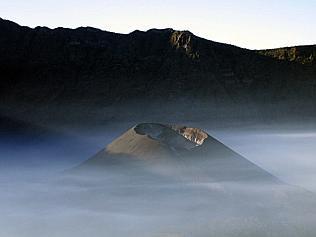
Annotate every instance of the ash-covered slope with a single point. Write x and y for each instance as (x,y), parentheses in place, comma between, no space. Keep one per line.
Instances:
(172,149)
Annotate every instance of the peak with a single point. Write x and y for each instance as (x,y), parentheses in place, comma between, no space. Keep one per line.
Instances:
(88,29)
(165,30)
(183,32)
(185,137)
(155,30)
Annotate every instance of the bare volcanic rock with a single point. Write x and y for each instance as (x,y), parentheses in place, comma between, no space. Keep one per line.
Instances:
(175,150)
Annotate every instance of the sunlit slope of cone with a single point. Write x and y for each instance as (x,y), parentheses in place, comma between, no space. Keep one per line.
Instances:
(175,150)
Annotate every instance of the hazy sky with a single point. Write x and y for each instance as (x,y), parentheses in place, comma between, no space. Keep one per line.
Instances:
(246,23)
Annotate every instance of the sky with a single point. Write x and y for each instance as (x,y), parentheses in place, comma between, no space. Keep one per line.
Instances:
(253,24)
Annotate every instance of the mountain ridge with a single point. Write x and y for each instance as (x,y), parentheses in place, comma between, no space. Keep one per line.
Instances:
(303,54)
(85,66)
(3,20)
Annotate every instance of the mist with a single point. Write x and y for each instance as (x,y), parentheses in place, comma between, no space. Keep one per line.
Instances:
(38,197)
(156,133)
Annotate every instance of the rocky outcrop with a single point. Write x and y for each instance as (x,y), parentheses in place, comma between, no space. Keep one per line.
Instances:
(300,54)
(183,40)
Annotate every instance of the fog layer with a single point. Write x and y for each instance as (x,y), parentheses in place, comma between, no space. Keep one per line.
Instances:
(39,199)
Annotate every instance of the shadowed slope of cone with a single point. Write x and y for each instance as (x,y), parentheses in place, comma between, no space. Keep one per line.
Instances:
(175,150)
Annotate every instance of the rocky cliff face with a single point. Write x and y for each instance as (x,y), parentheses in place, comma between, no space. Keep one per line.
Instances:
(87,66)
(301,54)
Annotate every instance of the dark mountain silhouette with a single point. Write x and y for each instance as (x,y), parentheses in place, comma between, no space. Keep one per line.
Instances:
(300,54)
(90,67)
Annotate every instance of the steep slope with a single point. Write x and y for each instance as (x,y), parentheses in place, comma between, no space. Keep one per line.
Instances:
(174,150)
